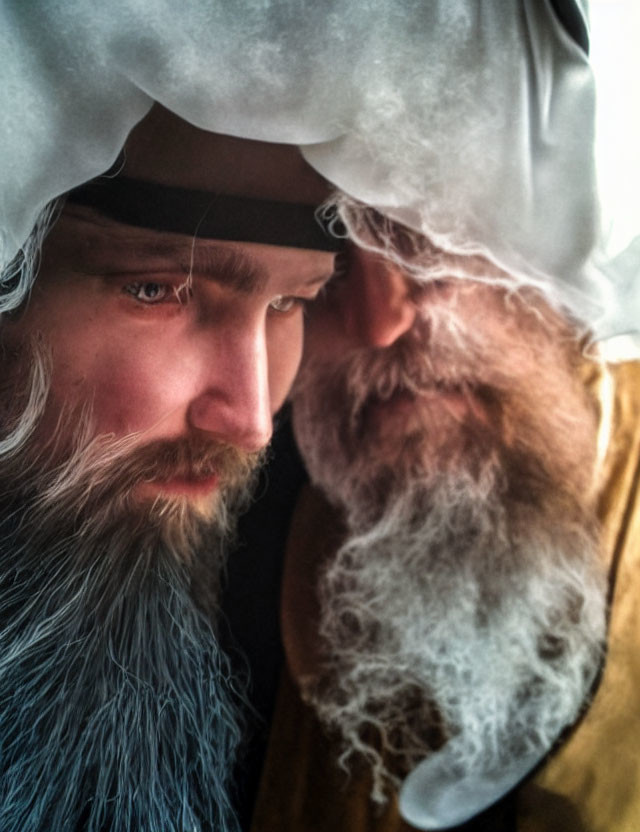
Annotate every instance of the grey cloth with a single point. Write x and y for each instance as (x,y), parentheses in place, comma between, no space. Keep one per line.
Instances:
(470,121)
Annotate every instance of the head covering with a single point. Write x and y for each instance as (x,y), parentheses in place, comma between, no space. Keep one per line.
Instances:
(470,122)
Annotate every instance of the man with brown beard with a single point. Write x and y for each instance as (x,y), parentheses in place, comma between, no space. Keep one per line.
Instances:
(139,380)
(445,590)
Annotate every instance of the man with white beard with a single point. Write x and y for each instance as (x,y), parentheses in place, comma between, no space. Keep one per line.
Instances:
(445,589)
(139,380)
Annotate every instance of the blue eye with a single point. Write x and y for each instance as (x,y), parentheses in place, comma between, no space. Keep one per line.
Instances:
(148,292)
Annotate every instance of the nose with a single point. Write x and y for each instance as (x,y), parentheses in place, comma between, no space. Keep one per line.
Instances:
(379,308)
(233,403)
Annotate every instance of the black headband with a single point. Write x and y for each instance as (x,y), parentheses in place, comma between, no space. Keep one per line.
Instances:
(206,214)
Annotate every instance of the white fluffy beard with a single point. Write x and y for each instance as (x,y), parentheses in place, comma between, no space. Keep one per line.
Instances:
(458,619)
(118,710)
(466,609)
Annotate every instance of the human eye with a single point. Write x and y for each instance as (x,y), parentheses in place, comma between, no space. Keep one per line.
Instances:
(310,291)
(149,292)
(286,304)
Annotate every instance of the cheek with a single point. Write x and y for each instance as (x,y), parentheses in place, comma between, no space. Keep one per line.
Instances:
(125,394)
(131,387)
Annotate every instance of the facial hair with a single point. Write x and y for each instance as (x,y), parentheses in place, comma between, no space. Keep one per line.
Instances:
(119,710)
(518,371)
(465,612)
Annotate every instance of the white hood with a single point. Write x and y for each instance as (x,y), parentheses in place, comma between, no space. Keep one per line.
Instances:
(472,122)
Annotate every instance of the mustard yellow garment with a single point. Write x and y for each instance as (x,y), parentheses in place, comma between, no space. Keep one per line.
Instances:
(593,782)
(590,784)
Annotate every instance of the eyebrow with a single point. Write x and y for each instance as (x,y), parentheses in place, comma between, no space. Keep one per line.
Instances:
(234,268)
(228,266)
(224,264)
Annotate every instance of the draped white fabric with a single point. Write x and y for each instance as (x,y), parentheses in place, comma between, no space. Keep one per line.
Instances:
(473,122)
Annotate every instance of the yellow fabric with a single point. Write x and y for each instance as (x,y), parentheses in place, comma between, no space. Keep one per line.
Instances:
(591,784)
(303,789)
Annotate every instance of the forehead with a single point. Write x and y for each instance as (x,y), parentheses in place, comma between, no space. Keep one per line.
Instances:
(165,149)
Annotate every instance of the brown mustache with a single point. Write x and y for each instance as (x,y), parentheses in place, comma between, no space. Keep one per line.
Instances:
(188,458)
(369,378)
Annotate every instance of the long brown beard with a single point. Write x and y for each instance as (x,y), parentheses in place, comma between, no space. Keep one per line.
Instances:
(119,711)
(466,609)
(522,383)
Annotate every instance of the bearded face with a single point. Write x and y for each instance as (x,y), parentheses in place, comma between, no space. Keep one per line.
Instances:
(481,373)
(172,342)
(464,614)
(118,709)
